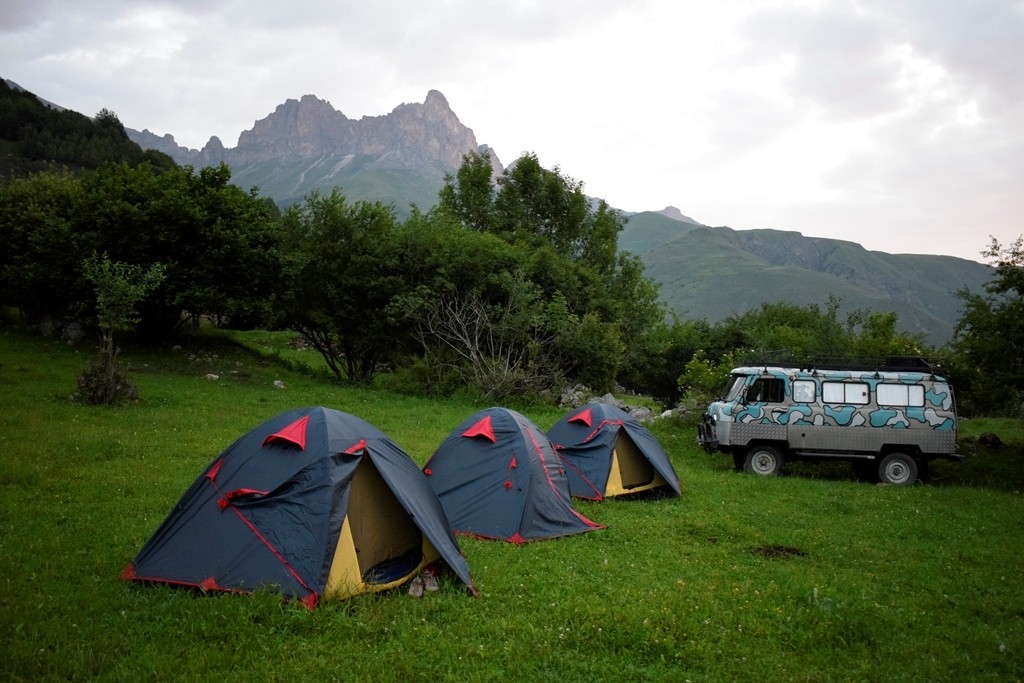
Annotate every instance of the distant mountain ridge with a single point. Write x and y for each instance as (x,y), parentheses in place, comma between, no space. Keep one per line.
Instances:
(713,273)
(14,86)
(401,158)
(304,145)
(676,215)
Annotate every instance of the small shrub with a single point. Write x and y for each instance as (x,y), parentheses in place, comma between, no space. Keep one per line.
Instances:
(105,383)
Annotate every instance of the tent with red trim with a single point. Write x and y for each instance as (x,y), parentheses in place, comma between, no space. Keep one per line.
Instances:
(313,503)
(609,453)
(497,476)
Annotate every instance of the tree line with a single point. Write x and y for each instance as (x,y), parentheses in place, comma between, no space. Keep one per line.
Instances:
(36,137)
(510,286)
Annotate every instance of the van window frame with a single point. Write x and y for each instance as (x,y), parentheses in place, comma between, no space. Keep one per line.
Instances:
(849,389)
(736,388)
(798,384)
(912,395)
(774,390)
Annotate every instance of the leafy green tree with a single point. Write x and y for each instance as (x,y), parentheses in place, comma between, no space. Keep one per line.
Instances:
(342,277)
(119,288)
(536,206)
(497,348)
(469,194)
(787,329)
(779,332)
(590,298)
(877,336)
(990,335)
(703,378)
(218,242)
(534,202)
(440,256)
(40,263)
(654,358)
(478,322)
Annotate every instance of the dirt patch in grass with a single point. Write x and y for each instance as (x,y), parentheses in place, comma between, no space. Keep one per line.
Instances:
(778,551)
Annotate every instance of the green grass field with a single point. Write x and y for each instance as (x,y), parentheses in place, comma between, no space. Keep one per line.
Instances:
(808,577)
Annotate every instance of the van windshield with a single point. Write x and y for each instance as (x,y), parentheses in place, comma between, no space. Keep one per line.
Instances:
(737,386)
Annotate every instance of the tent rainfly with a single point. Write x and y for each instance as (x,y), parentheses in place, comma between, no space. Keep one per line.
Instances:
(497,476)
(315,504)
(608,453)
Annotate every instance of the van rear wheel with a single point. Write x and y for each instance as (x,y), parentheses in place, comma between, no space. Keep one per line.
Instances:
(764,460)
(898,469)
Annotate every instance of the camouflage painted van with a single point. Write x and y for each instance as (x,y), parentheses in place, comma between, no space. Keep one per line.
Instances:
(889,423)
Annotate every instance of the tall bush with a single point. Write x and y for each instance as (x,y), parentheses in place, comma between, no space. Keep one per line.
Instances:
(119,288)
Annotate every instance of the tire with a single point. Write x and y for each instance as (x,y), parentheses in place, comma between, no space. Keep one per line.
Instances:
(764,460)
(897,469)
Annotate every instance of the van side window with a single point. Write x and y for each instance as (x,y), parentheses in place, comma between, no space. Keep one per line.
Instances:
(844,392)
(735,388)
(901,395)
(766,390)
(803,391)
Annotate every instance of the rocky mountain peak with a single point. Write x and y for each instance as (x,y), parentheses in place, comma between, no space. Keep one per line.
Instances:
(436,102)
(306,143)
(676,215)
(297,128)
(418,136)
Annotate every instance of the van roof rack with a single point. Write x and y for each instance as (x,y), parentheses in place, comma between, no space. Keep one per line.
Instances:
(864,363)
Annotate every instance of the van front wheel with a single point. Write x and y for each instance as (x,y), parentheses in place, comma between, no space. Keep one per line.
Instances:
(898,469)
(764,460)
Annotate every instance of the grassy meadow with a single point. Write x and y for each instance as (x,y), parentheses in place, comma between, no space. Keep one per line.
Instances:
(807,577)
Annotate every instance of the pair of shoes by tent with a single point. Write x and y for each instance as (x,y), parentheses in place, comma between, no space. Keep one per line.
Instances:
(427,581)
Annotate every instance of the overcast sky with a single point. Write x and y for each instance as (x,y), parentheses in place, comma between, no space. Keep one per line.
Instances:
(898,124)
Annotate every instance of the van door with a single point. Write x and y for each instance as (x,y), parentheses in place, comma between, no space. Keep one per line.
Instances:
(802,429)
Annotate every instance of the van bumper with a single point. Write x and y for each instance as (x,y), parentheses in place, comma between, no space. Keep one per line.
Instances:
(707,436)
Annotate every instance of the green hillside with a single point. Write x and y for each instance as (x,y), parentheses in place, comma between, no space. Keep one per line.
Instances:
(649,230)
(713,273)
(358,178)
(36,136)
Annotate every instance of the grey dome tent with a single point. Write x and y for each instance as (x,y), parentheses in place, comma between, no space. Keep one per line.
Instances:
(497,476)
(315,504)
(608,453)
